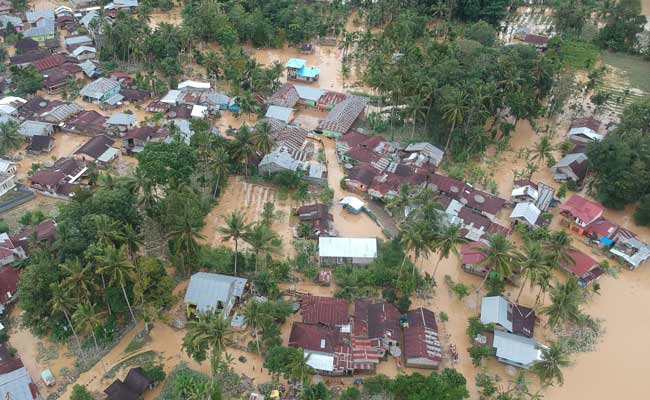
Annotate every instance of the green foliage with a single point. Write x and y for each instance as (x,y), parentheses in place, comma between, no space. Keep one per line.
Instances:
(32,218)
(186,383)
(28,80)
(481,32)
(4,227)
(154,372)
(316,392)
(444,317)
(570,17)
(447,384)
(351,393)
(80,392)
(278,358)
(623,23)
(492,11)
(495,284)
(642,213)
(475,327)
(621,161)
(478,353)
(575,53)
(167,164)
(10,137)
(460,289)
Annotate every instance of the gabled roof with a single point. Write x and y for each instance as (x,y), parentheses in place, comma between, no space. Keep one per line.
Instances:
(579,207)
(83,49)
(47,177)
(40,143)
(315,337)
(471,253)
(309,93)
(45,27)
(569,159)
(137,381)
(8,283)
(98,88)
(50,62)
(25,45)
(296,63)
(514,318)
(281,158)
(190,84)
(585,132)
(588,122)
(74,40)
(280,113)
(342,116)
(527,211)
(29,57)
(207,289)
(33,16)
(285,96)
(17,385)
(96,146)
(581,265)
(324,310)
(517,349)
(118,390)
(376,321)
(429,150)
(121,118)
(421,336)
(34,128)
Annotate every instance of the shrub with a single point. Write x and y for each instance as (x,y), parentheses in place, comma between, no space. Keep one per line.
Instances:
(80,392)
(154,372)
(642,213)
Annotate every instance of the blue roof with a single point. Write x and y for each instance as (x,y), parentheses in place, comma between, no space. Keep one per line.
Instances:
(296,63)
(308,72)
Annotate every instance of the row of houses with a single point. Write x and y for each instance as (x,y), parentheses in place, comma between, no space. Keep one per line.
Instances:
(337,343)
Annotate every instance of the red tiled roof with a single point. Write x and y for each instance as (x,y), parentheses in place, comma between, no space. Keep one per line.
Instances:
(579,207)
(324,310)
(582,264)
(471,254)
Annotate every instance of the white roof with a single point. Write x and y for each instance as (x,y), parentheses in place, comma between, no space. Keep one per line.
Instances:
(347,247)
(199,111)
(528,211)
(320,362)
(121,118)
(586,132)
(525,191)
(194,85)
(352,202)
(280,113)
(81,49)
(308,93)
(494,310)
(518,349)
(12,99)
(171,97)
(6,164)
(110,154)
(7,109)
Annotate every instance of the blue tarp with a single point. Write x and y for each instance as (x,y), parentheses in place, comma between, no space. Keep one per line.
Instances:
(606,241)
(308,72)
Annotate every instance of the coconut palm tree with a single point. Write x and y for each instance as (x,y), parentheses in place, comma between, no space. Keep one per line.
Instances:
(299,369)
(61,302)
(78,279)
(446,242)
(115,264)
(559,246)
(184,240)
(543,151)
(549,368)
(566,301)
(10,137)
(262,138)
(132,240)
(209,333)
(87,320)
(413,240)
(242,147)
(234,230)
(107,230)
(219,167)
(454,110)
(262,239)
(533,263)
(498,256)
(253,318)
(399,204)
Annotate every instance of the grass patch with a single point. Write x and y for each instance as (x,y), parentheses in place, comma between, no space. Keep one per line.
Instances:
(636,69)
(579,54)
(147,357)
(136,343)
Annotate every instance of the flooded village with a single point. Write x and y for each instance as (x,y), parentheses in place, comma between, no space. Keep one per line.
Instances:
(283,219)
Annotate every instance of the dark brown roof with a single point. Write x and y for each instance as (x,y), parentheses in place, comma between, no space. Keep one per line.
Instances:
(56,77)
(588,122)
(376,321)
(40,143)
(26,45)
(466,194)
(181,111)
(50,62)
(363,173)
(8,283)
(523,319)
(29,57)
(313,212)
(353,138)
(315,337)
(119,391)
(90,122)
(421,336)
(47,177)
(69,166)
(135,94)
(144,133)
(137,381)
(96,146)
(324,310)
(535,39)
(37,105)
(8,362)
(285,96)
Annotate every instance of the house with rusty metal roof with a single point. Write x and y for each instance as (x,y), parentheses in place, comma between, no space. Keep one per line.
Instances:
(422,348)
(327,350)
(508,316)
(98,150)
(341,118)
(329,311)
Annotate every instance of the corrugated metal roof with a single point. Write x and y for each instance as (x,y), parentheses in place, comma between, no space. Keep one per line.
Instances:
(309,93)
(527,211)
(121,118)
(517,349)
(296,63)
(494,310)
(15,385)
(206,290)
(280,113)
(347,247)
(98,88)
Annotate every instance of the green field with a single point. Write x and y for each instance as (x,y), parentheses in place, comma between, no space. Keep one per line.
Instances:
(636,69)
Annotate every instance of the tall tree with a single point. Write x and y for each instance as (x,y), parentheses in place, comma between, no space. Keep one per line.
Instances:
(234,230)
(61,302)
(208,336)
(533,264)
(262,239)
(262,138)
(10,137)
(549,368)
(78,279)
(559,247)
(543,151)
(446,242)
(115,264)
(566,301)
(87,320)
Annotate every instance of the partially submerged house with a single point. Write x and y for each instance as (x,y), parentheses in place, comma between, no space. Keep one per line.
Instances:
(327,350)
(515,350)
(132,388)
(101,91)
(572,167)
(135,139)
(472,257)
(508,316)
(98,150)
(89,122)
(341,118)
(318,218)
(422,348)
(527,214)
(280,113)
(329,311)
(526,191)
(121,122)
(578,213)
(631,250)
(208,292)
(61,179)
(341,250)
(584,268)
(585,130)
(298,70)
